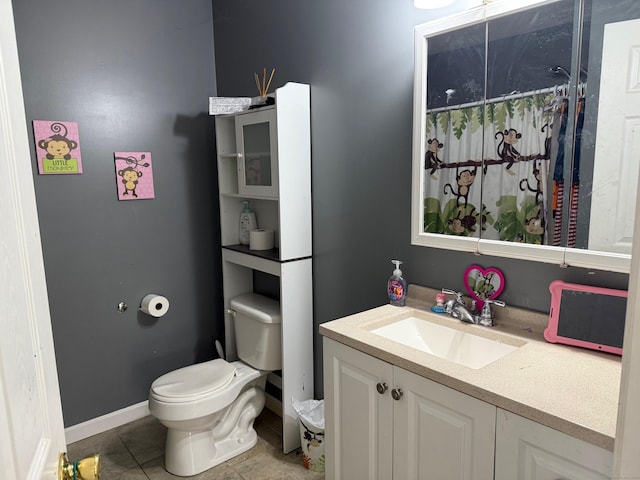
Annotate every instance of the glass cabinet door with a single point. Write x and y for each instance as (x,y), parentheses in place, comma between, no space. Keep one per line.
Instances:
(257,154)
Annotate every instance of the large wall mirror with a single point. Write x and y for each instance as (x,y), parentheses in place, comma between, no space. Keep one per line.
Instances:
(527,131)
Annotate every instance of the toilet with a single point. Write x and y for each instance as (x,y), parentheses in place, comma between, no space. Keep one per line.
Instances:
(209,408)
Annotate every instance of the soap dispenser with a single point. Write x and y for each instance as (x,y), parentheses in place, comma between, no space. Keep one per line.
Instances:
(397,286)
(247,223)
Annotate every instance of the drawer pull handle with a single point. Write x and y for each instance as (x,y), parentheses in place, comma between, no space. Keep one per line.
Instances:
(382,387)
(397,393)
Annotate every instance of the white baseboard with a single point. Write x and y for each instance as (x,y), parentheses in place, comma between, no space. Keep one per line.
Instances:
(106,422)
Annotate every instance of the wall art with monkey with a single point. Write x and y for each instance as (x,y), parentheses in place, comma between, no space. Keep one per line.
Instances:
(134,175)
(57,147)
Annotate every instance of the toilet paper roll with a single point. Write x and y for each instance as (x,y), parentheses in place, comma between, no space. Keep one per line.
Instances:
(154,305)
(261,239)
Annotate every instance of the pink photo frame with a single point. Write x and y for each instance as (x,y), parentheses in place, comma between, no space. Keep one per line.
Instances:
(483,283)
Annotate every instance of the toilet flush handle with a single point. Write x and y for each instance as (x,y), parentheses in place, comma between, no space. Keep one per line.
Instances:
(231,312)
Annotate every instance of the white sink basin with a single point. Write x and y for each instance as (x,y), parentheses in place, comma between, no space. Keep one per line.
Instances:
(459,347)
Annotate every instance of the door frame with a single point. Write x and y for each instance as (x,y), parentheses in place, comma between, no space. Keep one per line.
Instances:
(30,405)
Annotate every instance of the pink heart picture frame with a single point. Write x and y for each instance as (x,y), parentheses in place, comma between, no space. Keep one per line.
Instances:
(483,283)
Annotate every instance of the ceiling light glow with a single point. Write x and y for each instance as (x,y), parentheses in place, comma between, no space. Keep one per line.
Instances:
(431,4)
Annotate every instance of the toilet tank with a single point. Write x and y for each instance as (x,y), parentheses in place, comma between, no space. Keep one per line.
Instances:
(258,331)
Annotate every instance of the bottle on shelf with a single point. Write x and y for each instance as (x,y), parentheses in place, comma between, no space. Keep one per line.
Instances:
(247,223)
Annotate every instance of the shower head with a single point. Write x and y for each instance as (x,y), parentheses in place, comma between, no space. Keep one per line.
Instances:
(558,70)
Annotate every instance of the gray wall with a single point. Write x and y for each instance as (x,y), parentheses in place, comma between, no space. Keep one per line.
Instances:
(358,57)
(136,76)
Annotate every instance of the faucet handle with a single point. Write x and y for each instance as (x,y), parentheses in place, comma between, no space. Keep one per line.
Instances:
(499,303)
(448,306)
(486,316)
(474,307)
(459,295)
(486,308)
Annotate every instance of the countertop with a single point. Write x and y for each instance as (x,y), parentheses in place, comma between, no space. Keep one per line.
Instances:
(566,388)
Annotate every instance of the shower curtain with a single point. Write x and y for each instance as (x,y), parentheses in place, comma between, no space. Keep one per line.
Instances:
(486,168)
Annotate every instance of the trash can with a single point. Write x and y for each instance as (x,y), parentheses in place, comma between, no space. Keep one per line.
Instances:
(311,419)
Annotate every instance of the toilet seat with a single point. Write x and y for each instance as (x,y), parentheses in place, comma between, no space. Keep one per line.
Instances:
(217,391)
(192,382)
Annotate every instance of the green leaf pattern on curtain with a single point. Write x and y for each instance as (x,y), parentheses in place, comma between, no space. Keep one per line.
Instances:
(512,205)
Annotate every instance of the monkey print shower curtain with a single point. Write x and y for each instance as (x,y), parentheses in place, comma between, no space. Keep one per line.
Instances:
(485,169)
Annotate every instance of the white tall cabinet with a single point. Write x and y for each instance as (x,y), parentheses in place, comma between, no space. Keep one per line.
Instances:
(264,157)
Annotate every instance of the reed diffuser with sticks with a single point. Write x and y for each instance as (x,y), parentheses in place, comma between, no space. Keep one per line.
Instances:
(263,89)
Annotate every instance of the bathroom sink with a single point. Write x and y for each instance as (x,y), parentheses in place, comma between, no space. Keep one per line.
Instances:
(463,348)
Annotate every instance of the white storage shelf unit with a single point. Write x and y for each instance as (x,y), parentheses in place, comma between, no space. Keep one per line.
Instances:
(286,209)
(289,212)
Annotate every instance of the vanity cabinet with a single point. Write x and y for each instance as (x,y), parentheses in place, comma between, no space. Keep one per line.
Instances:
(526,450)
(264,157)
(384,422)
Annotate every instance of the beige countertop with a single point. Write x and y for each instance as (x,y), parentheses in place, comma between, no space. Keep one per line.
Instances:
(570,389)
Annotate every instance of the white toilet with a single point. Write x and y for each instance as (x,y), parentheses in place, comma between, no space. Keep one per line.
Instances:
(209,408)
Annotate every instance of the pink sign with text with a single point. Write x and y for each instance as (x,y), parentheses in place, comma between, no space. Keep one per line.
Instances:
(57,147)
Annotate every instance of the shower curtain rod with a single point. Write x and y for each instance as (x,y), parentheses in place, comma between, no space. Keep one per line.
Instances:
(505,97)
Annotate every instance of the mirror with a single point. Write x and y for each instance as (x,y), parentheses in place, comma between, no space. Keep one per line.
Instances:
(483,283)
(509,157)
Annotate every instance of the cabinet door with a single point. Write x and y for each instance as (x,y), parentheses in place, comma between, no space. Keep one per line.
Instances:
(256,139)
(358,419)
(441,433)
(526,450)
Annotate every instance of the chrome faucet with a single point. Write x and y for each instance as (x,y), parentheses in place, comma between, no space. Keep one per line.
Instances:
(457,308)
(486,314)
(458,301)
(462,313)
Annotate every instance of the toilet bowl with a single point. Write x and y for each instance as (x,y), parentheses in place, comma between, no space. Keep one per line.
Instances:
(209,408)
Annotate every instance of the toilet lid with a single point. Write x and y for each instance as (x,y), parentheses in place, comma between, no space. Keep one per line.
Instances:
(194,380)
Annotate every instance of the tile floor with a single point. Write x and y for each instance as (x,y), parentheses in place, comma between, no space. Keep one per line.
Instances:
(135,451)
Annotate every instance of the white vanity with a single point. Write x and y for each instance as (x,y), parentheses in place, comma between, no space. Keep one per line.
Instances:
(540,411)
